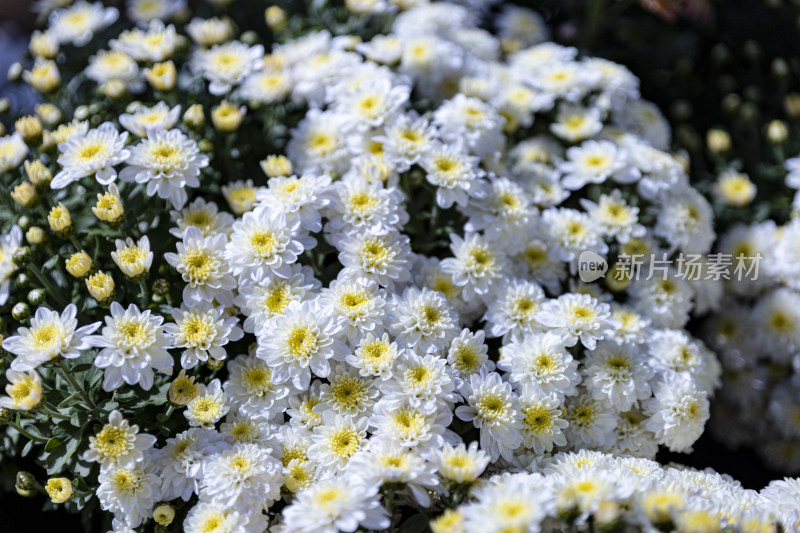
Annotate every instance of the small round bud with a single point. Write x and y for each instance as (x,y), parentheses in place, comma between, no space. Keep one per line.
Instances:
(227,117)
(734,189)
(23,280)
(49,113)
(182,390)
(194,117)
(5,105)
(25,484)
(164,514)
(30,129)
(276,165)
(38,173)
(59,489)
(115,89)
(25,194)
(205,146)
(43,44)
(22,256)
(718,141)
(44,77)
(81,112)
(275,17)
(60,220)
(23,222)
(162,76)
(215,364)
(748,111)
(20,311)
(720,53)
(249,37)
(777,132)
(101,287)
(35,235)
(14,71)
(37,296)
(109,207)
(161,286)
(752,50)
(779,68)
(79,264)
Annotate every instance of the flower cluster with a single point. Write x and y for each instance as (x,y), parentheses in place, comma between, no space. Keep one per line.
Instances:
(355,287)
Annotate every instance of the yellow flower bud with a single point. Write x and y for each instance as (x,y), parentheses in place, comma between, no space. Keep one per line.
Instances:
(49,113)
(44,77)
(182,390)
(777,132)
(449,521)
(24,194)
(162,76)
(227,117)
(194,117)
(101,287)
(60,220)
(618,278)
(734,188)
(276,165)
(241,196)
(59,489)
(164,514)
(791,104)
(275,17)
(109,206)
(79,264)
(718,141)
(35,235)
(30,128)
(39,174)
(115,89)
(43,44)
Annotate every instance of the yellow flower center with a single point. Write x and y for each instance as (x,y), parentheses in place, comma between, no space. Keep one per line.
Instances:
(348,393)
(198,331)
(257,380)
(112,441)
(198,265)
(537,420)
(133,332)
(302,342)
(165,155)
(263,244)
(206,409)
(91,152)
(491,407)
(345,442)
(126,480)
(46,336)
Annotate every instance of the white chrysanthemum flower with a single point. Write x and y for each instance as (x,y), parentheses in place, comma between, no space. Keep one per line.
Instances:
(301,411)
(207,517)
(144,11)
(576,123)
(182,461)
(246,478)
(265,243)
(455,174)
(542,422)
(9,244)
(372,103)
(470,120)
(302,341)
(615,217)
(778,317)
(571,232)
(12,151)
(666,300)
(260,302)
(686,221)
(301,197)
(202,332)
(512,314)
(679,412)
(144,121)
(210,31)
(239,428)
(504,214)
(200,262)
(77,23)
(374,356)
(208,406)
(133,345)
(383,258)
(468,353)
(337,504)
(267,86)
(540,363)
(534,262)
(252,390)
(478,264)
(50,335)
(578,317)
(130,492)
(591,424)
(94,153)
(411,427)
(423,320)
(319,143)
(406,139)
(118,443)
(348,393)
(359,205)
(202,215)
(595,162)
(24,390)
(617,375)
(425,382)
(460,463)
(674,351)
(517,503)
(108,65)
(152,43)
(494,409)
(168,162)
(336,440)
(360,302)
(226,65)
(134,259)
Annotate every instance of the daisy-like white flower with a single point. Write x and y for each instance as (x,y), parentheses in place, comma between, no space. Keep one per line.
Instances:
(145,121)
(513,312)
(461,463)
(133,258)
(411,427)
(77,23)
(144,11)
(468,353)
(369,105)
(114,65)
(374,356)
(686,221)
(24,390)
(478,264)
(466,118)
(337,504)
(95,153)
(202,332)
(168,162)
(246,478)
(423,320)
(336,440)
(576,123)
(359,301)
(200,262)
(265,242)
(614,216)
(302,341)
(202,215)
(319,143)
(152,43)
(250,388)
(300,197)
(130,492)
(679,412)
(517,503)
(206,516)
(240,428)
(12,151)
(182,461)
(383,258)
(541,364)
(118,443)
(226,65)
(617,375)
(425,382)
(267,86)
(595,162)
(578,317)
(50,335)
(301,411)
(359,205)
(348,393)
(455,174)
(591,424)
(208,406)
(133,344)
(405,140)
(571,232)
(542,422)
(494,409)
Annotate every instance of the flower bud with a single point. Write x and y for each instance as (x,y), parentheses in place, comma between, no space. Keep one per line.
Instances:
(115,89)
(161,287)
(791,104)
(718,141)
(5,105)
(81,112)
(162,76)
(60,220)
(777,132)
(49,113)
(214,364)
(164,514)
(607,515)
(37,296)
(101,287)
(182,390)
(618,278)
(276,165)
(23,280)
(43,44)
(205,146)
(25,484)
(227,117)
(275,17)
(35,235)
(109,207)
(24,194)
(59,489)
(20,311)
(44,77)
(38,173)
(14,71)
(30,129)
(22,256)
(194,117)
(249,37)
(79,264)
(23,222)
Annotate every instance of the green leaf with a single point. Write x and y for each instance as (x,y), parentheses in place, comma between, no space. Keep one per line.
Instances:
(52,443)
(416,524)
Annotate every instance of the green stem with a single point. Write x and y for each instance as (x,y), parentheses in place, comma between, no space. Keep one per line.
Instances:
(51,291)
(24,433)
(52,413)
(143,293)
(63,366)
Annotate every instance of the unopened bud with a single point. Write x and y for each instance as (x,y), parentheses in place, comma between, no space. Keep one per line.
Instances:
(25,484)
(35,235)
(276,165)
(60,221)
(79,264)
(194,117)
(101,287)
(30,129)
(164,514)
(37,296)
(59,489)
(777,132)
(38,173)
(24,194)
(162,76)
(275,17)
(20,311)
(718,141)
(227,117)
